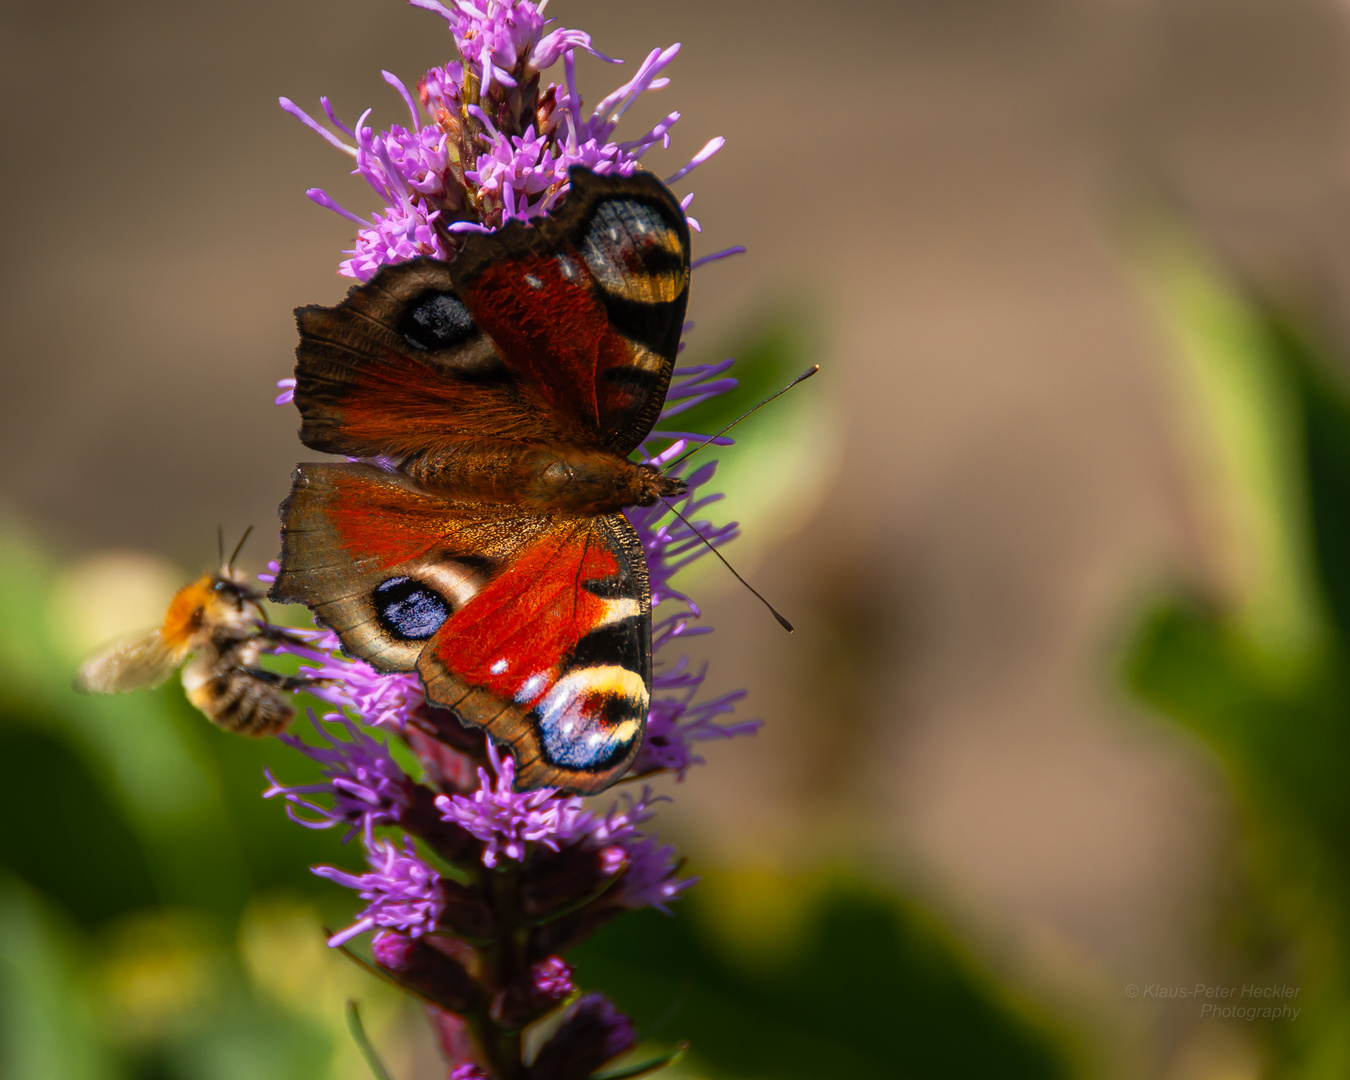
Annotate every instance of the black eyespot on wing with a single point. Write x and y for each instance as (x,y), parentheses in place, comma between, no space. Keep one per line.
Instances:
(408,609)
(437,320)
(617,645)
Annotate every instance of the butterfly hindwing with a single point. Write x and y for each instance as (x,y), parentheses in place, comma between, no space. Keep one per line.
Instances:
(535,628)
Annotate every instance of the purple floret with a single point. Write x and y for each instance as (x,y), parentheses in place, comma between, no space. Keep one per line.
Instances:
(400,890)
(553,977)
(366,786)
(505,820)
(653,877)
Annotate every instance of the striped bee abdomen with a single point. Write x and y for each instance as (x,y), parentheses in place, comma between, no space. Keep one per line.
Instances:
(241,700)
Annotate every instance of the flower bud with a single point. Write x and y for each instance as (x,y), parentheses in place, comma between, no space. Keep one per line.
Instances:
(534,993)
(555,881)
(425,970)
(593,1033)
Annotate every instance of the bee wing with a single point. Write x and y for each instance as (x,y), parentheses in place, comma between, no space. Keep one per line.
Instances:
(128,666)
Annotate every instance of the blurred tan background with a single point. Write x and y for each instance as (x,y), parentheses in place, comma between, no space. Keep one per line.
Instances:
(948,188)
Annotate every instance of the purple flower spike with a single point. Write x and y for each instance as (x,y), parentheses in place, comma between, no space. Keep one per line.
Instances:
(400,890)
(506,821)
(485,140)
(493,144)
(377,698)
(366,785)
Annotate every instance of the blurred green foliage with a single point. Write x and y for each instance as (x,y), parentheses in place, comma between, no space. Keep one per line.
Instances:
(1258,668)
(770,352)
(868,987)
(779,469)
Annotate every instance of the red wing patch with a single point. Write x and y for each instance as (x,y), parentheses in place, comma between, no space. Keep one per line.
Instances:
(543,314)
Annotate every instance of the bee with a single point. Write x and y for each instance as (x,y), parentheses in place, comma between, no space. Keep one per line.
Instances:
(217,625)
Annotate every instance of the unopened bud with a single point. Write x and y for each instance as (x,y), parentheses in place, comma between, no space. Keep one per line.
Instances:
(593,1033)
(556,880)
(532,994)
(425,970)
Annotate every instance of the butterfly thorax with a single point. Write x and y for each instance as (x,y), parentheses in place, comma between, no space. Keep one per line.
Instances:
(542,479)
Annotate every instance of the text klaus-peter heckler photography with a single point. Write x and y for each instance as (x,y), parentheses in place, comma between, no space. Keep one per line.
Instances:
(1246,1001)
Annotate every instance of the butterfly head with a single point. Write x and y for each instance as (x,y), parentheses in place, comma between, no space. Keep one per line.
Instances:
(653,486)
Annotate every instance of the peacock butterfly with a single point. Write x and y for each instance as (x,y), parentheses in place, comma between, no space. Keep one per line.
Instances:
(499,397)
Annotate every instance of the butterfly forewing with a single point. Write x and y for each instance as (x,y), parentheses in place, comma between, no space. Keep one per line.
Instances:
(399,365)
(563,330)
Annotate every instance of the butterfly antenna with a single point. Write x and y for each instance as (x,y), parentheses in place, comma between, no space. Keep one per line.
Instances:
(781,621)
(220,542)
(713,438)
(239,547)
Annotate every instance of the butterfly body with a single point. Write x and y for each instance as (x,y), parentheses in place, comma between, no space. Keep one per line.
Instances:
(215,630)
(494,401)
(543,478)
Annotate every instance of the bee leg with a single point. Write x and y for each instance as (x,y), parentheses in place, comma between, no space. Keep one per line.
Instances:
(285,682)
(276,635)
